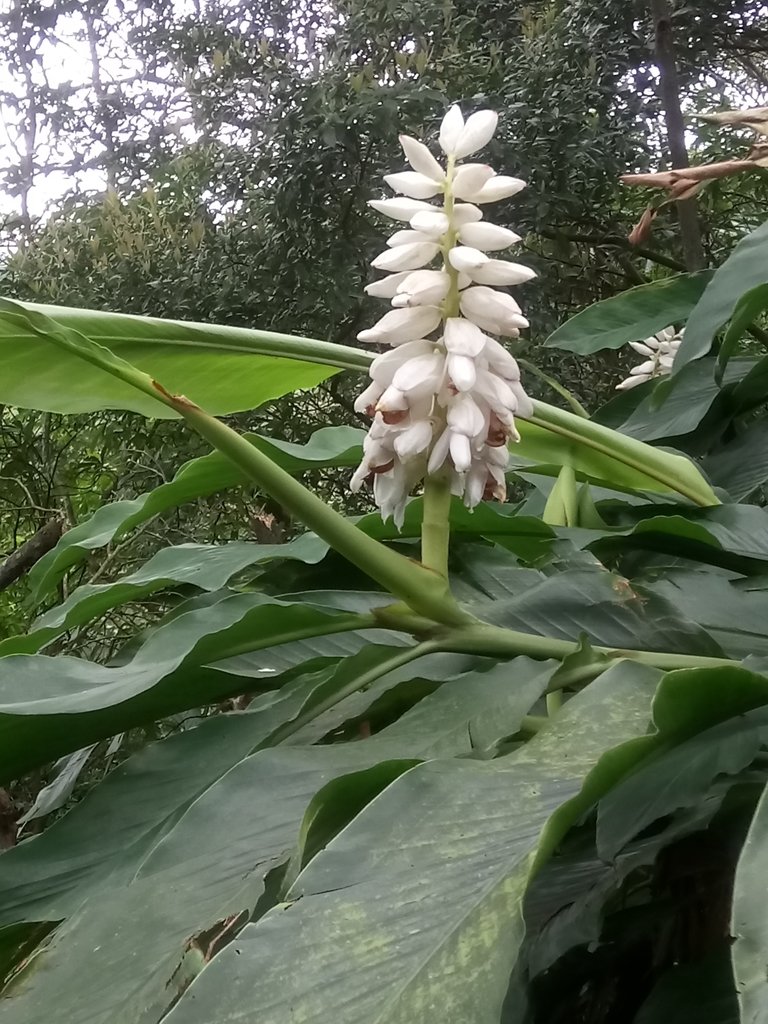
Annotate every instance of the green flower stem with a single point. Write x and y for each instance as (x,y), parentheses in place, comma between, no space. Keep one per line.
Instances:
(575,404)
(673,471)
(403,657)
(435,524)
(495,641)
(418,587)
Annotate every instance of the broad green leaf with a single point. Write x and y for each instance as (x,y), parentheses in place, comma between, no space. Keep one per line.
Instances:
(631,315)
(225,369)
(687,403)
(749,920)
(748,309)
(745,269)
(413,911)
(678,778)
(733,612)
(194,842)
(38,694)
(205,566)
(329,446)
(602,606)
(741,465)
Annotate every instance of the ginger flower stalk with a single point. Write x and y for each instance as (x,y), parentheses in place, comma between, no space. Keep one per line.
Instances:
(444,394)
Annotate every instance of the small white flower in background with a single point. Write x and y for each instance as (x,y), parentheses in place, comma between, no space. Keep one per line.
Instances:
(659,351)
(447,402)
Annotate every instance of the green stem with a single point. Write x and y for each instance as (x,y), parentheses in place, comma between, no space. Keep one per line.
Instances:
(407,580)
(495,641)
(435,524)
(558,388)
(673,471)
(403,657)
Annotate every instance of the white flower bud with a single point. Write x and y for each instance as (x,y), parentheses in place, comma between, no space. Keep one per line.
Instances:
(461,452)
(451,128)
(413,184)
(420,159)
(477,132)
(464,417)
(422,288)
(496,188)
(387,286)
(466,213)
(463,338)
(399,209)
(499,272)
(414,439)
(467,260)
(462,371)
(420,374)
(401,325)
(431,223)
(407,237)
(487,237)
(406,257)
(470,178)
(384,366)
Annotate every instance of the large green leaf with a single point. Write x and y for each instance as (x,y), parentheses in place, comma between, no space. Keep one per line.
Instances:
(38,694)
(741,465)
(329,446)
(225,369)
(412,912)
(205,566)
(749,921)
(744,270)
(631,315)
(733,612)
(194,842)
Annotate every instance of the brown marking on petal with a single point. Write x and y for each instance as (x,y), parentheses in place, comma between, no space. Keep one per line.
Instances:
(383,468)
(494,491)
(498,432)
(370,411)
(393,416)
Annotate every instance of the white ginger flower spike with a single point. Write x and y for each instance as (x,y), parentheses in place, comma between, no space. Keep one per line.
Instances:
(659,351)
(444,397)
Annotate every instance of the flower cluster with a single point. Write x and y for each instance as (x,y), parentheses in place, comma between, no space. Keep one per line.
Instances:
(444,397)
(659,351)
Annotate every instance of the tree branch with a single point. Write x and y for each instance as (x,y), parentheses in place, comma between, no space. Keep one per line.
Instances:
(31,551)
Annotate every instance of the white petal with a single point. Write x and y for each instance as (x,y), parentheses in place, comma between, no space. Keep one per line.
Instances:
(666,334)
(406,237)
(641,348)
(420,158)
(499,187)
(439,452)
(524,403)
(478,132)
(467,260)
(466,213)
(643,368)
(401,325)
(632,382)
(422,288)
(406,257)
(464,417)
(462,371)
(451,128)
(384,366)
(413,184)
(421,373)
(499,360)
(387,286)
(414,439)
(486,307)
(399,209)
(461,337)
(432,223)
(652,343)
(499,272)
(470,178)
(475,484)
(461,452)
(497,393)
(392,400)
(665,361)
(488,237)
(369,397)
